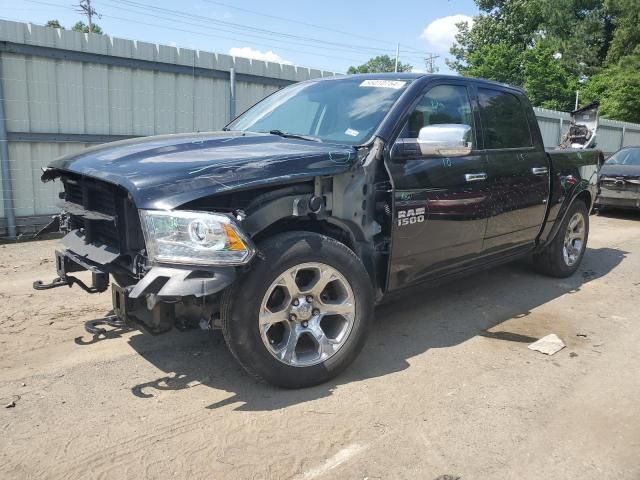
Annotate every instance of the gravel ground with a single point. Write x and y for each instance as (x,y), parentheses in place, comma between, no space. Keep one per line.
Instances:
(445,386)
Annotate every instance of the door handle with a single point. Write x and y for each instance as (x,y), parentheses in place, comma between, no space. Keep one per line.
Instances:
(540,170)
(475,177)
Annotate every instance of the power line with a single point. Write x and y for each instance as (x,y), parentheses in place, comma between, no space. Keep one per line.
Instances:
(204,21)
(138,22)
(208,20)
(87,9)
(429,62)
(306,41)
(203,18)
(245,34)
(298,22)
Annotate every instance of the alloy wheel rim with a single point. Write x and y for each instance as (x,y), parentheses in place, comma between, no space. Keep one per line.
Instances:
(307,314)
(574,239)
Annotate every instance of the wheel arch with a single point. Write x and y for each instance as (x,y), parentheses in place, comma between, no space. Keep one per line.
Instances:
(331,227)
(586,197)
(306,224)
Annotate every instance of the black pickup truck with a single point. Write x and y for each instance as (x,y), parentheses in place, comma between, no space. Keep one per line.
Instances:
(287,227)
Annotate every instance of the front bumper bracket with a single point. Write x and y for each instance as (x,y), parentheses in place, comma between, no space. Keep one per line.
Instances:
(100,283)
(65,265)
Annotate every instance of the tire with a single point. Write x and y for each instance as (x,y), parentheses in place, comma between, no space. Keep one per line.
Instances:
(554,260)
(308,260)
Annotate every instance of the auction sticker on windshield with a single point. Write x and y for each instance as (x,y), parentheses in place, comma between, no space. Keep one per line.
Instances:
(395,84)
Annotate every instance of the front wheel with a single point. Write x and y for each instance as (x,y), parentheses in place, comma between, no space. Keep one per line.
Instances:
(302,313)
(562,256)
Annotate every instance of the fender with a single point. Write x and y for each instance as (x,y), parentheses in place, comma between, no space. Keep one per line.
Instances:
(361,246)
(301,208)
(288,206)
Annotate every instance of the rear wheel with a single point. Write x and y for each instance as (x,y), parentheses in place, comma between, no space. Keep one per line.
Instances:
(562,257)
(302,313)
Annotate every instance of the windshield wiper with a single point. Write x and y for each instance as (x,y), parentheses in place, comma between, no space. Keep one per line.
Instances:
(280,133)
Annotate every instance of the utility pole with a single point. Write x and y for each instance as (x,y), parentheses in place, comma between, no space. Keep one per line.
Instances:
(87,9)
(397,56)
(430,63)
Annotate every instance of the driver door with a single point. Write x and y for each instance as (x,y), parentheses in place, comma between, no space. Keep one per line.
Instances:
(441,204)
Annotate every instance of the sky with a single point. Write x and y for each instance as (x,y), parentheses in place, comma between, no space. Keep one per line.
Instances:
(329,34)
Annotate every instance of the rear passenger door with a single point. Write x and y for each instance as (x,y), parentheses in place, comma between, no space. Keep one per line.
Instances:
(518,172)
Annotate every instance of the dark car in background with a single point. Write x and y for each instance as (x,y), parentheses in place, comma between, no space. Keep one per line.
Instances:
(619,180)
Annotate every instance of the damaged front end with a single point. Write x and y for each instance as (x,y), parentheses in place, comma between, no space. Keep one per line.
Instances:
(583,128)
(168,266)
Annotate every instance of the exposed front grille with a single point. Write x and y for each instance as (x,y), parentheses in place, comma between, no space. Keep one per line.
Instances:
(621,183)
(104,199)
(73,191)
(102,214)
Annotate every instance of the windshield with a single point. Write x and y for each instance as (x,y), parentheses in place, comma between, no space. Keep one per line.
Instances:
(335,111)
(629,156)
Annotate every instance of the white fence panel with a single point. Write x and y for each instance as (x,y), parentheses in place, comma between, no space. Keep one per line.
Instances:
(64,90)
(631,138)
(609,139)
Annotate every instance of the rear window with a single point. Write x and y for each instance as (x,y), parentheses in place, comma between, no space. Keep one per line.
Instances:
(504,120)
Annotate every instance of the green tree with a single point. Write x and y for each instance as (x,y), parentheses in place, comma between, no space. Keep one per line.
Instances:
(499,61)
(617,88)
(54,24)
(84,28)
(626,17)
(78,27)
(553,47)
(503,28)
(379,64)
(548,81)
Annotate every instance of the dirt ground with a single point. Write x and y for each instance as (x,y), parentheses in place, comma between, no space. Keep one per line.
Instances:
(445,386)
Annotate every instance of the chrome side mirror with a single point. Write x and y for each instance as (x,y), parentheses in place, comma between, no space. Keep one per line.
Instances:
(445,140)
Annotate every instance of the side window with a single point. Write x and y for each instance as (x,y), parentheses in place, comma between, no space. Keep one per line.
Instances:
(441,104)
(504,120)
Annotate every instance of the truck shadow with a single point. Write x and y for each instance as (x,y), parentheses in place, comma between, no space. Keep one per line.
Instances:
(419,320)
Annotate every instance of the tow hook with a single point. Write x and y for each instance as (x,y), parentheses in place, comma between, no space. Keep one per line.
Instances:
(118,320)
(100,283)
(57,282)
(93,326)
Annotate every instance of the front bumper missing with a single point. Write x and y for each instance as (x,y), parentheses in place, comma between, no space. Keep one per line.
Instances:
(162,281)
(619,198)
(152,300)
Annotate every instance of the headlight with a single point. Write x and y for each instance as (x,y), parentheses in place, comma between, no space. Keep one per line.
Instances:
(201,238)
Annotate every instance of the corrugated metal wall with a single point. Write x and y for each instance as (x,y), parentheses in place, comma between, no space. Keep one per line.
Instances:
(612,134)
(64,90)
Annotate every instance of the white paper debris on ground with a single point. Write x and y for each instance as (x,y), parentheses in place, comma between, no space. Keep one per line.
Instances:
(548,345)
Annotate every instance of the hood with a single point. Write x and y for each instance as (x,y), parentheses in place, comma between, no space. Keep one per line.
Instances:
(164,172)
(613,170)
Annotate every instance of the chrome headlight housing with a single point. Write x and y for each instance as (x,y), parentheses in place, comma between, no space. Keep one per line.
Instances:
(200,238)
